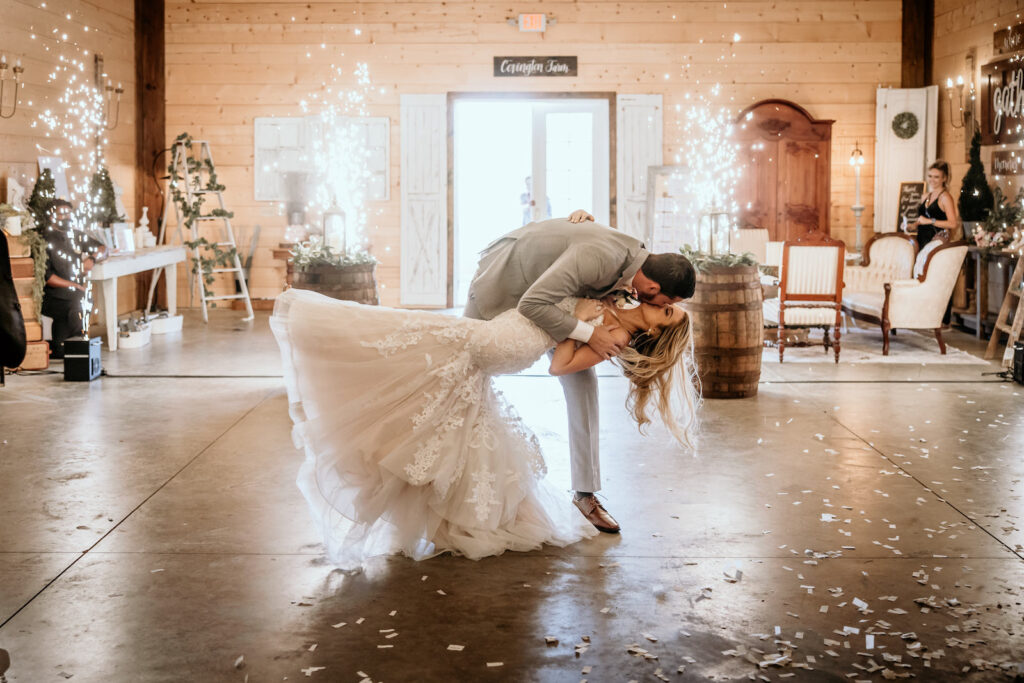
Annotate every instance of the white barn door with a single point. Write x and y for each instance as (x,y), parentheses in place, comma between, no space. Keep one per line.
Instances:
(424,232)
(902,159)
(638,133)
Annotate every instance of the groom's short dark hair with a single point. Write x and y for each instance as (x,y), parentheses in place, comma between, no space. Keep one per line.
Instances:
(673,272)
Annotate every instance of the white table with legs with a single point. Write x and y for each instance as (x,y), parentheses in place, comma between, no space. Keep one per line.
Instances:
(105,275)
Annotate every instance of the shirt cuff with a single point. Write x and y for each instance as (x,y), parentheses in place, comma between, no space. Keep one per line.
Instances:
(583,332)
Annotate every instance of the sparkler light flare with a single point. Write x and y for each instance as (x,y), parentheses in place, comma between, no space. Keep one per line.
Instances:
(710,153)
(78,120)
(340,157)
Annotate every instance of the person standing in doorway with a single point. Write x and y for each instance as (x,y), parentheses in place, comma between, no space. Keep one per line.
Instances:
(526,202)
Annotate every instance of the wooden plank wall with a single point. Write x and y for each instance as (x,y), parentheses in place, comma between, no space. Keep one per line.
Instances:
(963,26)
(34,31)
(231,61)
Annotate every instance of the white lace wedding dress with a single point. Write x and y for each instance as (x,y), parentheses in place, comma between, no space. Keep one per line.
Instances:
(409,448)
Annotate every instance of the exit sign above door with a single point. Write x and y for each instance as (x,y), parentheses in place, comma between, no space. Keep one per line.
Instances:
(533,23)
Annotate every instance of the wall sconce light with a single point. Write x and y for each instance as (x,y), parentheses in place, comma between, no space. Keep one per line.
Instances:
(857,160)
(17,70)
(965,115)
(113,96)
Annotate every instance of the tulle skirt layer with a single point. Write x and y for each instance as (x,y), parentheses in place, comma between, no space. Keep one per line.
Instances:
(408,448)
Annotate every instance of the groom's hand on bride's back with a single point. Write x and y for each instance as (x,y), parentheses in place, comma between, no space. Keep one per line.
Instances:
(604,343)
(579,216)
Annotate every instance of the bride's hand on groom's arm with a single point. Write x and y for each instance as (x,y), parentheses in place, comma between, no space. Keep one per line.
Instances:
(588,309)
(579,216)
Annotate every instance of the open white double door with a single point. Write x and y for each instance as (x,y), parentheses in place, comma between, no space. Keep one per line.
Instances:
(514,161)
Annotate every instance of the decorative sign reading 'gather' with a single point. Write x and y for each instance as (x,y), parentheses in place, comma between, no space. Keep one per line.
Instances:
(534,66)
(1002,101)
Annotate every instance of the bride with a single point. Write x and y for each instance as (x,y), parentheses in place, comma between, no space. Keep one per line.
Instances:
(408,447)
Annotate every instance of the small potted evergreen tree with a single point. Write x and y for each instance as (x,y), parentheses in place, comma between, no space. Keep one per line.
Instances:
(976,200)
(102,209)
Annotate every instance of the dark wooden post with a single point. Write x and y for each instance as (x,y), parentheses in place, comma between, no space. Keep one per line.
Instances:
(150,114)
(918,30)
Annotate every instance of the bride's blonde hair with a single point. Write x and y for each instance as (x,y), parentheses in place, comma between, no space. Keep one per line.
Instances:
(660,367)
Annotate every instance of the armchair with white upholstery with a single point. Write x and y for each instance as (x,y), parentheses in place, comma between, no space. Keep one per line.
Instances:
(810,290)
(750,240)
(920,303)
(887,257)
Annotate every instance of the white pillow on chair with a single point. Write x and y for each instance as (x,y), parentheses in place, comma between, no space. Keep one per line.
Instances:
(922,256)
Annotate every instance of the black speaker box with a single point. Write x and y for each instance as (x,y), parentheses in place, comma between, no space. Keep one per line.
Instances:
(82,359)
(1018,362)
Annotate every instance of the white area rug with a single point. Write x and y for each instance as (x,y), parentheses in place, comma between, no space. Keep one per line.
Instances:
(864,345)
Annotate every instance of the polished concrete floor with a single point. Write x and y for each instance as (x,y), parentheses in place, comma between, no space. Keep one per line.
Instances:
(848,523)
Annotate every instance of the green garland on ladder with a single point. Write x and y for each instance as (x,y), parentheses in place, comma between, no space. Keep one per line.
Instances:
(210,255)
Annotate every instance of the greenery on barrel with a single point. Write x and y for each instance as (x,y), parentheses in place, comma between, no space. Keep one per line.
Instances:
(703,261)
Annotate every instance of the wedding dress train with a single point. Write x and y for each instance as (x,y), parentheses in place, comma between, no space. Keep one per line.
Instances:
(408,447)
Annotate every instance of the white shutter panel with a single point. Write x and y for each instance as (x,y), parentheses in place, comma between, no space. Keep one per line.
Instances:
(638,131)
(424,243)
(898,160)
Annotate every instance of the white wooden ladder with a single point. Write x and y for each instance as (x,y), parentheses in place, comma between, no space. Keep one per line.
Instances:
(1003,324)
(198,179)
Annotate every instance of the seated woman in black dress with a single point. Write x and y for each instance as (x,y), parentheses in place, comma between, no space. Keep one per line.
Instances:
(70,255)
(937,214)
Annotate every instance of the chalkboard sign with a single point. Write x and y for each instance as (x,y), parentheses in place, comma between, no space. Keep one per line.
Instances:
(910,202)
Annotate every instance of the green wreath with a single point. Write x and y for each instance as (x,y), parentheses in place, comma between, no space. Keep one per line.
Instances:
(905,125)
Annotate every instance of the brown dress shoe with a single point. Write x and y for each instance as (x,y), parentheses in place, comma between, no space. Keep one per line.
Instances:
(596,514)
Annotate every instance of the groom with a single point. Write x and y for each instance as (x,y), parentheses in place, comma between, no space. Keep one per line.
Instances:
(532,269)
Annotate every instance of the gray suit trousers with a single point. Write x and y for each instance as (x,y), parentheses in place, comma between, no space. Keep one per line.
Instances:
(580,390)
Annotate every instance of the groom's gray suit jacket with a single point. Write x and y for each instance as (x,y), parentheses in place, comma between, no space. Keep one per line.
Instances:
(535,267)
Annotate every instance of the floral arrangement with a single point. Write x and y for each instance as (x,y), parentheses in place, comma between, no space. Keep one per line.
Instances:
(990,240)
(315,253)
(1002,224)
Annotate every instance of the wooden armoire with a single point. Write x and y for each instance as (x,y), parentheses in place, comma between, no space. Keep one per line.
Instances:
(786,157)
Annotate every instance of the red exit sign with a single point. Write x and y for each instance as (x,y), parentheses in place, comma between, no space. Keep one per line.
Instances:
(532,23)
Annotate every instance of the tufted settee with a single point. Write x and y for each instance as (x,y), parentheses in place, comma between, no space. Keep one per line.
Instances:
(907,302)
(888,256)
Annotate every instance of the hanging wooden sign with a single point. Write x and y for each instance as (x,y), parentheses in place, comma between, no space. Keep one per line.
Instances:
(532,67)
(1008,40)
(1007,163)
(1002,101)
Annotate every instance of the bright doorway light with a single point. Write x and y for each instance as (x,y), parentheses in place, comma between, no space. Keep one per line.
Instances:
(517,161)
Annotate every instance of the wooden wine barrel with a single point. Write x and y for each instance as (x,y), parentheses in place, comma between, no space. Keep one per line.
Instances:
(728,330)
(349,283)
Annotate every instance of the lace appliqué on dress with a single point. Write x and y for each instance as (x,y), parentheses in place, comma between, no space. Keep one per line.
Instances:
(483,493)
(411,333)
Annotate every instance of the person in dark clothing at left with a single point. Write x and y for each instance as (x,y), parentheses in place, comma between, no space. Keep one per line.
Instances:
(70,255)
(12,325)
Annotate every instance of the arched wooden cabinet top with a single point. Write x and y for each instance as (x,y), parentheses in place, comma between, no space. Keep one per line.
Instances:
(786,156)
